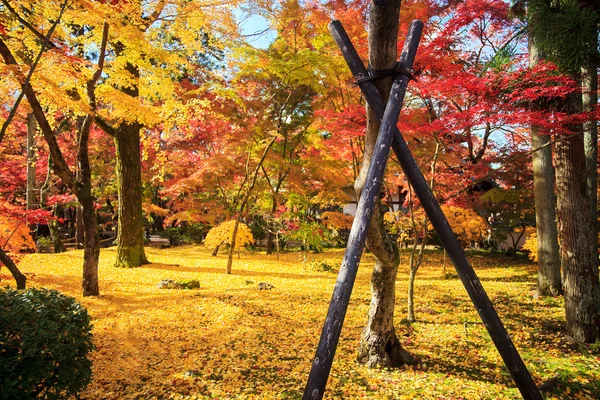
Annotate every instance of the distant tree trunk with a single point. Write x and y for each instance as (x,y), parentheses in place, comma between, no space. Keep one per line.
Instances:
(578,248)
(233,240)
(379,343)
(549,280)
(271,235)
(416,259)
(20,279)
(57,243)
(31,128)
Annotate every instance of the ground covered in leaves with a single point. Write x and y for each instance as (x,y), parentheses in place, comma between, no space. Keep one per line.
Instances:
(230,340)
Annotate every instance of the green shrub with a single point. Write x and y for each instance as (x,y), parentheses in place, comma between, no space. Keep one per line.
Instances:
(184,233)
(173,234)
(45,338)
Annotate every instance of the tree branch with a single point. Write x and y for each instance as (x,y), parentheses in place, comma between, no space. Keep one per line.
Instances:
(105,126)
(28,25)
(84,132)
(60,166)
(26,83)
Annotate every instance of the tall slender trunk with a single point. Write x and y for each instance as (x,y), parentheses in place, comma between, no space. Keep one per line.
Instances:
(379,343)
(578,250)
(233,240)
(31,129)
(271,235)
(416,259)
(549,280)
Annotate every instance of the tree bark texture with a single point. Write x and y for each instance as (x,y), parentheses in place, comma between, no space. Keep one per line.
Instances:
(31,128)
(379,343)
(130,239)
(20,279)
(578,252)
(233,241)
(91,252)
(590,137)
(79,229)
(549,280)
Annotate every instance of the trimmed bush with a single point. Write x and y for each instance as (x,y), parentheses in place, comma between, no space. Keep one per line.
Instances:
(45,338)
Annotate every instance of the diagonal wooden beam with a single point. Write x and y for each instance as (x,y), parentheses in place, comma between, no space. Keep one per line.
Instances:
(321,366)
(465,271)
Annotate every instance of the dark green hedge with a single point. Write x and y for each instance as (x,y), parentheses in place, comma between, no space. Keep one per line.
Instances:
(45,338)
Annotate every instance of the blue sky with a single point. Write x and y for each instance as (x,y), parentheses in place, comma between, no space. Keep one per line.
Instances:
(253,25)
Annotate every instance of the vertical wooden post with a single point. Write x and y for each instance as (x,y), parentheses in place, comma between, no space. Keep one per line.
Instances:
(465,271)
(332,327)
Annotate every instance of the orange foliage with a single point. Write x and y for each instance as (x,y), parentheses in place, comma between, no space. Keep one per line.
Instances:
(337,220)
(15,237)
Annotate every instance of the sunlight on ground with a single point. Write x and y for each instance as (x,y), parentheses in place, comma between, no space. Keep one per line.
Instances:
(229,340)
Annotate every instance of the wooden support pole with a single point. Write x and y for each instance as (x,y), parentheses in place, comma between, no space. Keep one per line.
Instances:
(465,271)
(332,327)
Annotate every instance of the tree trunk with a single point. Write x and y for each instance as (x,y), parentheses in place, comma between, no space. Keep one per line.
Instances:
(549,281)
(270,235)
(14,270)
(578,250)
(232,247)
(31,128)
(91,246)
(379,344)
(410,303)
(79,230)
(130,239)
(59,247)
(590,135)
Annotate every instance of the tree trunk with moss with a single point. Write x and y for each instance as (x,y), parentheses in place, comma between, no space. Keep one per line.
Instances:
(57,243)
(549,280)
(379,343)
(130,239)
